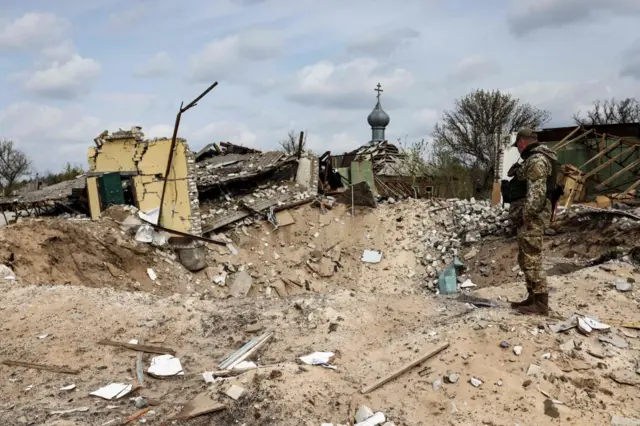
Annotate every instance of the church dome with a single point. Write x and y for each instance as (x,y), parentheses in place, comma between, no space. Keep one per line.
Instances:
(377,117)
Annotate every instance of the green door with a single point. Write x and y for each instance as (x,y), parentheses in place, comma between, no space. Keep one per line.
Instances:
(110,189)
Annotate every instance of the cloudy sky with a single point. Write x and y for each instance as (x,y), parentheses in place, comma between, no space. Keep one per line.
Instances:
(72,68)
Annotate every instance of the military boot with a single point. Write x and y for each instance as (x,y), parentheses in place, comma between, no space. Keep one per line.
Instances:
(526,302)
(540,306)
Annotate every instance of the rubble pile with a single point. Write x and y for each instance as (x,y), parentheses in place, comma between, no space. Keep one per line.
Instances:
(280,194)
(441,228)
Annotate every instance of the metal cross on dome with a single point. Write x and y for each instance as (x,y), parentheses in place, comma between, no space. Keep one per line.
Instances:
(379,90)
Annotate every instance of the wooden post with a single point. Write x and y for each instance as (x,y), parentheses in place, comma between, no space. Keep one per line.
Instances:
(174,138)
(299,153)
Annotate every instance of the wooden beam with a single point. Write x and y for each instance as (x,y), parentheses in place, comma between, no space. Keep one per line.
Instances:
(403,369)
(608,162)
(564,143)
(52,368)
(601,153)
(557,146)
(142,348)
(629,189)
(613,177)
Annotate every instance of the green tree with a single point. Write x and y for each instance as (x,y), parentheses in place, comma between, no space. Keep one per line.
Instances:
(471,133)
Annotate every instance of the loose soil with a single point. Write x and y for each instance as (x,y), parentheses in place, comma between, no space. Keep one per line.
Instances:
(375,317)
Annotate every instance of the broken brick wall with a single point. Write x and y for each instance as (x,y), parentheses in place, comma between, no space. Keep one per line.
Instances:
(146,162)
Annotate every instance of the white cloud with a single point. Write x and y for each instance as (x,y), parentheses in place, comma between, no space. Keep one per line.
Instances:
(631,62)
(220,58)
(64,80)
(426,117)
(33,31)
(381,43)
(562,98)
(472,68)
(347,85)
(224,131)
(61,52)
(159,131)
(128,100)
(531,15)
(338,143)
(129,16)
(48,134)
(159,65)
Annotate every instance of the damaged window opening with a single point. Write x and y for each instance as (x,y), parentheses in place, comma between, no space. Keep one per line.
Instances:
(116,189)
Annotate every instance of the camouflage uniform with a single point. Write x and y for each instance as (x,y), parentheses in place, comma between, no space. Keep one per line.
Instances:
(532,215)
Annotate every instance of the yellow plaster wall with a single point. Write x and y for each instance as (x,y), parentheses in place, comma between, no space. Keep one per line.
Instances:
(94,198)
(149,159)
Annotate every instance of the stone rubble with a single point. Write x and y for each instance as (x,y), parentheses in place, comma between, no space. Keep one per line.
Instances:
(444,227)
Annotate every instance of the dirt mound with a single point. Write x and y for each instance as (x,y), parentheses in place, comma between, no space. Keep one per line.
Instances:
(80,252)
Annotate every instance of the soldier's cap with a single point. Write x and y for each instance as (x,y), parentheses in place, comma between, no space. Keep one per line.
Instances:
(525,133)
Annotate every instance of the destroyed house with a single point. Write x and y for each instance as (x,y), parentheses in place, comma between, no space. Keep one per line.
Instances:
(601,160)
(236,182)
(125,168)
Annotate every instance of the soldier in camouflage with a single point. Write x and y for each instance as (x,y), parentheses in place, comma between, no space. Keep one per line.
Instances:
(531,215)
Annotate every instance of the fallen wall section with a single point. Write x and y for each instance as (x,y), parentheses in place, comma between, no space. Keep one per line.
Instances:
(143,164)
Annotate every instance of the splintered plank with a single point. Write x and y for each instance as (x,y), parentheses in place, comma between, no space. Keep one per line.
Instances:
(199,406)
(52,368)
(141,348)
(403,369)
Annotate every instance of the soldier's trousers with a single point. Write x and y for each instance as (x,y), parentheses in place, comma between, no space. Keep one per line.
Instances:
(530,255)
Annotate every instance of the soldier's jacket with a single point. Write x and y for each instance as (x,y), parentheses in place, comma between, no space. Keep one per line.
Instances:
(535,170)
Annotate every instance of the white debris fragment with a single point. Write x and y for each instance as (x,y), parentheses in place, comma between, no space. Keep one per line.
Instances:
(7,273)
(70,411)
(208,377)
(595,324)
(319,358)
(467,284)
(371,256)
(363,413)
(235,392)
(245,365)
(534,370)
(152,274)
(112,391)
(165,366)
(68,387)
(43,336)
(584,326)
(375,420)
(475,382)
(517,350)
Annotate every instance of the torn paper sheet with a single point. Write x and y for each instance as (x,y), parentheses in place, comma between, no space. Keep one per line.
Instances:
(144,234)
(319,358)
(112,391)
(165,366)
(371,256)
(150,215)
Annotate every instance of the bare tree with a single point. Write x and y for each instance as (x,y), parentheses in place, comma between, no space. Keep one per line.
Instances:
(471,132)
(13,165)
(611,112)
(290,144)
